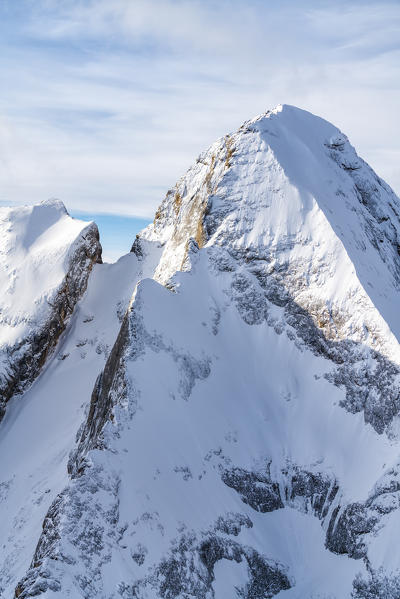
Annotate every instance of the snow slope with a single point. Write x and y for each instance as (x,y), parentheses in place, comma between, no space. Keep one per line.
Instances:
(242,440)
(39,428)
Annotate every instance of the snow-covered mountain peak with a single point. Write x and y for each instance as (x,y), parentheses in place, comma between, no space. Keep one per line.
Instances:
(55,203)
(36,244)
(288,190)
(244,173)
(242,439)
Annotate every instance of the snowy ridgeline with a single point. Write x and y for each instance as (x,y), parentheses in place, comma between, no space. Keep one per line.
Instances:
(218,415)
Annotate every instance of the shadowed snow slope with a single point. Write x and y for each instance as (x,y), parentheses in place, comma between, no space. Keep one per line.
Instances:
(242,439)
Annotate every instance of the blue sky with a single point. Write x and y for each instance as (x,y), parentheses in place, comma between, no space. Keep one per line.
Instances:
(117,231)
(105,103)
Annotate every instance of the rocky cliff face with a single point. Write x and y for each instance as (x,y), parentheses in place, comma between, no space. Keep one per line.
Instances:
(242,439)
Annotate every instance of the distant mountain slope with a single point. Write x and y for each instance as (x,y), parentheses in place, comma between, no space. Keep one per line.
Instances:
(243,437)
(45,260)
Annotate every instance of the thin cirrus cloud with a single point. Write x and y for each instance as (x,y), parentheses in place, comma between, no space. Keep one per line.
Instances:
(105,103)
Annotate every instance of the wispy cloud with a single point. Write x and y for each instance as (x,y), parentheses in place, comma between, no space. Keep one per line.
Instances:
(106,102)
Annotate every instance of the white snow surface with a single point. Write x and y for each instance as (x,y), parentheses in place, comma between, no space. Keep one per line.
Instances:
(214,377)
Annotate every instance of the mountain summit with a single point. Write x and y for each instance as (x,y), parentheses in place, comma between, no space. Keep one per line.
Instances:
(242,437)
